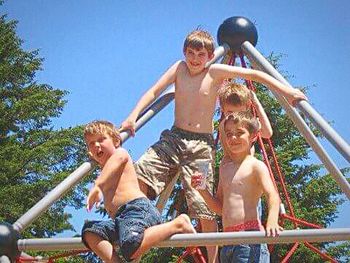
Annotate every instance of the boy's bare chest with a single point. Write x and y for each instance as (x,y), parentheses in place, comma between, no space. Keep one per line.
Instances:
(234,178)
(199,85)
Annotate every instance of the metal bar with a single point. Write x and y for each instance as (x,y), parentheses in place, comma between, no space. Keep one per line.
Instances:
(338,142)
(203,239)
(52,196)
(318,251)
(151,111)
(290,253)
(219,52)
(164,196)
(75,177)
(265,66)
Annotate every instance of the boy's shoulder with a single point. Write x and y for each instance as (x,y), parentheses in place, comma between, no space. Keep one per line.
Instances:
(122,153)
(258,165)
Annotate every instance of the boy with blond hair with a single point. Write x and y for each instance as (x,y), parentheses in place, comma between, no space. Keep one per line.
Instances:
(236,97)
(242,181)
(190,139)
(136,224)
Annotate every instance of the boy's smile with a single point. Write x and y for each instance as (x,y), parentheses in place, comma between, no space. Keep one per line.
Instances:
(238,138)
(196,59)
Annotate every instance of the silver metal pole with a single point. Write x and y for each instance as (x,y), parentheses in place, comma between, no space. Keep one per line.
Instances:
(219,52)
(338,142)
(265,66)
(203,239)
(52,196)
(4,259)
(75,177)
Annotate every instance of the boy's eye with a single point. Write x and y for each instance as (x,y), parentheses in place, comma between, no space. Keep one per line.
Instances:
(102,139)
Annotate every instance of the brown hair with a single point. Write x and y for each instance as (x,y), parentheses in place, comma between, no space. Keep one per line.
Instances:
(245,119)
(198,39)
(234,94)
(102,127)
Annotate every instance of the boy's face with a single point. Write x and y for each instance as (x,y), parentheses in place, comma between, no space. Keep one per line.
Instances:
(100,147)
(230,108)
(238,137)
(196,59)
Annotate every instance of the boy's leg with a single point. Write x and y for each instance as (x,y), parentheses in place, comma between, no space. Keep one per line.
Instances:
(158,165)
(197,208)
(155,234)
(210,226)
(102,248)
(100,237)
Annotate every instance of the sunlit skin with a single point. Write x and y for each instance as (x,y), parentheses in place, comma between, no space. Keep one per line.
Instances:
(242,181)
(117,185)
(196,59)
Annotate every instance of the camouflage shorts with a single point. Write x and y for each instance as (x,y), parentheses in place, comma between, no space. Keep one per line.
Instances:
(177,151)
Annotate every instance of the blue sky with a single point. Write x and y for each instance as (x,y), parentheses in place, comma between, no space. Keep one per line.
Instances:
(108,53)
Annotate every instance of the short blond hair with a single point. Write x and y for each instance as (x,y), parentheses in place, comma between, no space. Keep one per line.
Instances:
(198,39)
(234,94)
(102,127)
(245,119)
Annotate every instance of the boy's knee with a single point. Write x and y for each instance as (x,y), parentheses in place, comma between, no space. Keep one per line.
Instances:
(97,230)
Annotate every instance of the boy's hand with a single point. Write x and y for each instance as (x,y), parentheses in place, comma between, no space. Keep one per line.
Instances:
(294,96)
(273,230)
(128,125)
(94,197)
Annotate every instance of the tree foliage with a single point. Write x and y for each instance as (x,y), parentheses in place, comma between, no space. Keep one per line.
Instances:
(34,156)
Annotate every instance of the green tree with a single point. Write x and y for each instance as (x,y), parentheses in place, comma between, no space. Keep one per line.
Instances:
(34,156)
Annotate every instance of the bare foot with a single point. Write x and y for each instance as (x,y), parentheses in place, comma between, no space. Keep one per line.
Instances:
(186,225)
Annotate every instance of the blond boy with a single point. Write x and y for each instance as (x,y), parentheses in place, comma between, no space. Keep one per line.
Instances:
(190,139)
(136,224)
(242,181)
(236,97)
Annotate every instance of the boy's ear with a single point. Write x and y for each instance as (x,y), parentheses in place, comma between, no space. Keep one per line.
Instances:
(117,143)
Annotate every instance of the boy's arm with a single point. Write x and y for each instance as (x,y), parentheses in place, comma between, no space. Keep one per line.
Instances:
(214,203)
(266,129)
(113,167)
(273,200)
(165,80)
(222,138)
(108,177)
(219,72)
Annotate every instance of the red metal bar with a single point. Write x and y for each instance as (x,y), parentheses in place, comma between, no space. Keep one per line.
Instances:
(281,177)
(290,253)
(301,221)
(323,255)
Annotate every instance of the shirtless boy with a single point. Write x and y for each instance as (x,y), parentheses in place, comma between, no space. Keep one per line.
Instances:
(242,181)
(136,225)
(190,139)
(235,97)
